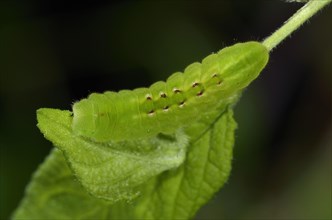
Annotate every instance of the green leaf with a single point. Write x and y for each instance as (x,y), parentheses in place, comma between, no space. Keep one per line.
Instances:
(113,170)
(53,194)
(174,194)
(179,193)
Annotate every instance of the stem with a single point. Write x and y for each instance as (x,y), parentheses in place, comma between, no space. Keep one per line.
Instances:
(294,22)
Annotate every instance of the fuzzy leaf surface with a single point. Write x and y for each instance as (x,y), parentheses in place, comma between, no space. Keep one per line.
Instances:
(112,171)
(54,194)
(179,193)
(176,193)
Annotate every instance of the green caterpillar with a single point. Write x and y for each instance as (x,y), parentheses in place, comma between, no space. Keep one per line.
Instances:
(167,106)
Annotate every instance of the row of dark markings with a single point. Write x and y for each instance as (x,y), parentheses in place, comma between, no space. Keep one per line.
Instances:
(176,91)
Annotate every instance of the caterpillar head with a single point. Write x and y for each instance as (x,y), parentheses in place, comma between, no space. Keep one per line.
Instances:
(83,121)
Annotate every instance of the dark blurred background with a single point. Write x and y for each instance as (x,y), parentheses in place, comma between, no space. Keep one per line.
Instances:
(53,53)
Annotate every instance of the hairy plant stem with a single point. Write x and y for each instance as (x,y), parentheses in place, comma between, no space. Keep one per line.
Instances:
(294,22)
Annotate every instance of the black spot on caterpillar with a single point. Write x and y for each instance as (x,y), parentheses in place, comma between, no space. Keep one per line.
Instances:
(167,106)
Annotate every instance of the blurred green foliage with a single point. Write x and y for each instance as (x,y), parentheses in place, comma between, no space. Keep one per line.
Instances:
(53,54)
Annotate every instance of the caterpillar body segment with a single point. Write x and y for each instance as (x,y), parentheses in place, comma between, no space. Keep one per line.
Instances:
(167,106)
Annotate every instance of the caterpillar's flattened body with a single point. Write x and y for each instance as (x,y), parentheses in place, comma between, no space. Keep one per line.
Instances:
(167,106)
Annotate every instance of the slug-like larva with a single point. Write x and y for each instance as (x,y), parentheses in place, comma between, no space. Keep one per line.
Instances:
(167,106)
